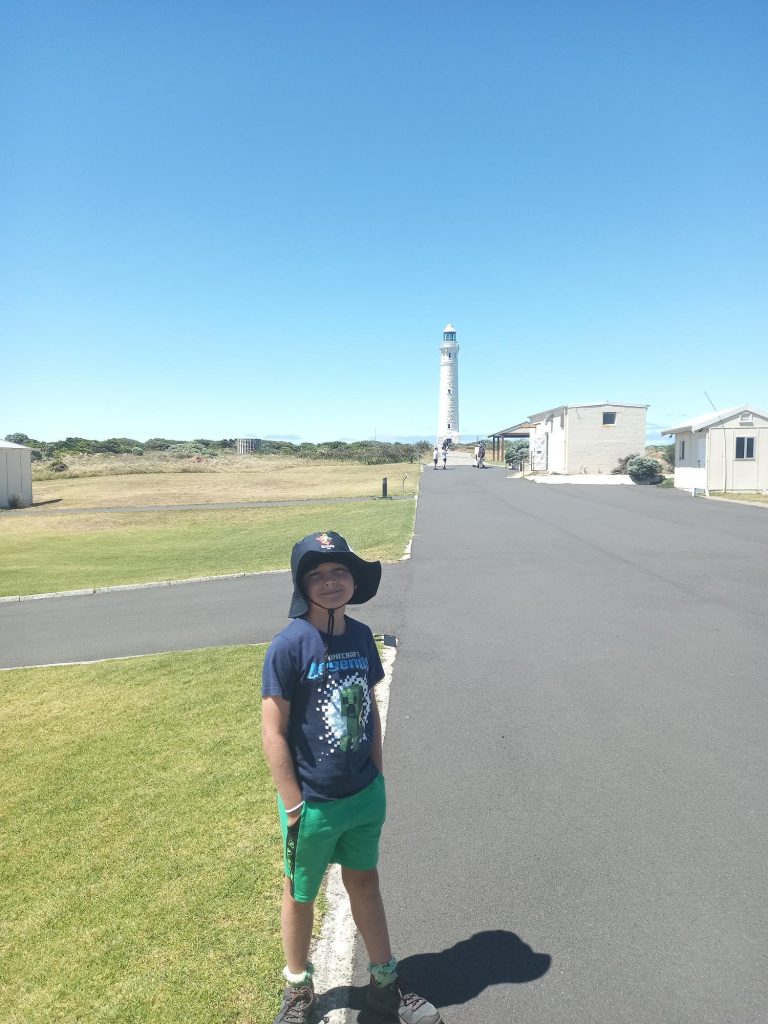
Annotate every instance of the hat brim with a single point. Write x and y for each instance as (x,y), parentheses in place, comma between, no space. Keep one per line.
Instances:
(367,577)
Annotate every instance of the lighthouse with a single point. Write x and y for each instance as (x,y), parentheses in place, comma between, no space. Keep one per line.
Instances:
(448,415)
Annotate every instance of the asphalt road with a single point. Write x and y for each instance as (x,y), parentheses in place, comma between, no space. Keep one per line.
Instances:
(576,751)
(576,756)
(124,623)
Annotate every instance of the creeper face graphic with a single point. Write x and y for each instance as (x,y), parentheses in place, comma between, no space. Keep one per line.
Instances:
(351,713)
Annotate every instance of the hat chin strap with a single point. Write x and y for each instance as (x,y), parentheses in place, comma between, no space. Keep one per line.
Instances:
(331,614)
(329,631)
(328,634)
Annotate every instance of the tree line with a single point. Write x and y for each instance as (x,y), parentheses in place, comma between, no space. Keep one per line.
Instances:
(369,452)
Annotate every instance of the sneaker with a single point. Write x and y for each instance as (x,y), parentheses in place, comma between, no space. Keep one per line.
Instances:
(298,1005)
(397,1000)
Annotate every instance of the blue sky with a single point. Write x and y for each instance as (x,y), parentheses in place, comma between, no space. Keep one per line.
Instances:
(257,217)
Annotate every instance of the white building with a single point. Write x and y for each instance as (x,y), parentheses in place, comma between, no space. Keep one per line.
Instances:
(15,475)
(722,451)
(448,414)
(572,439)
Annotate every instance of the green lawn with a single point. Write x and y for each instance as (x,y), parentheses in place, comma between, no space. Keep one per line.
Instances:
(140,846)
(757,497)
(42,554)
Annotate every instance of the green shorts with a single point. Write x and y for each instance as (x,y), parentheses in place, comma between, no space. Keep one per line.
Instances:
(344,831)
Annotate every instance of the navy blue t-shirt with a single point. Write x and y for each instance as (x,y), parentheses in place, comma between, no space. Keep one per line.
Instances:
(330,727)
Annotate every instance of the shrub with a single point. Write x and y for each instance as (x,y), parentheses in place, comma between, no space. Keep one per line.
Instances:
(185,449)
(621,465)
(58,466)
(16,501)
(643,470)
(665,452)
(517,452)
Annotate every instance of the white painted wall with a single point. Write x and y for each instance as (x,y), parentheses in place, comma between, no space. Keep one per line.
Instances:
(448,414)
(688,478)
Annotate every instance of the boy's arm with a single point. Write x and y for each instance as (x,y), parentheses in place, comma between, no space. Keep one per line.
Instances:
(377,746)
(275,713)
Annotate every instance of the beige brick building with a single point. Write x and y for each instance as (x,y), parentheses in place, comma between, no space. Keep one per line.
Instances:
(573,439)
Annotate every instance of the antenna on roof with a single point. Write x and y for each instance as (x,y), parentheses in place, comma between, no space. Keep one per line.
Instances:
(725,460)
(717,411)
(711,402)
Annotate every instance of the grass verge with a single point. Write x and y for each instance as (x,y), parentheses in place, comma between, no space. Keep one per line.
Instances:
(44,554)
(758,499)
(140,843)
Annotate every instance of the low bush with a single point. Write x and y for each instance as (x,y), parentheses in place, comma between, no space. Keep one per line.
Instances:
(643,470)
(621,465)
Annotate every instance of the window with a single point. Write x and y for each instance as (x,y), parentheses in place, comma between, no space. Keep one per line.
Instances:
(745,447)
(609,419)
(682,451)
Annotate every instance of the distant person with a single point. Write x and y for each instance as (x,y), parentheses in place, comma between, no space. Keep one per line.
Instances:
(323,743)
(435,456)
(476,463)
(481,456)
(445,455)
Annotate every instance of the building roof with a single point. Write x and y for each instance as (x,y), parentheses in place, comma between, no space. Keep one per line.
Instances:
(520,430)
(449,327)
(11,444)
(586,405)
(712,418)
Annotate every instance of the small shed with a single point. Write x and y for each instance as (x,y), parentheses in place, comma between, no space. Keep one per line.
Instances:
(722,451)
(15,475)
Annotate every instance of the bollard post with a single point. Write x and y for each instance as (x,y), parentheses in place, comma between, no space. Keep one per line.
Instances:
(383,487)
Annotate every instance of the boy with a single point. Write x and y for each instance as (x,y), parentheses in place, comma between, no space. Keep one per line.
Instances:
(322,740)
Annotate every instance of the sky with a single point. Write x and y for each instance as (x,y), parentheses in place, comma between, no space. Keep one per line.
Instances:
(232,218)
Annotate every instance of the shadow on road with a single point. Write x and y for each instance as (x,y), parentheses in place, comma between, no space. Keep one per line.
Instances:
(454,976)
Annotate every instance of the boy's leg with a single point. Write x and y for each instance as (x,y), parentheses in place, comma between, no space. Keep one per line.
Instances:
(299,999)
(296,921)
(368,912)
(387,992)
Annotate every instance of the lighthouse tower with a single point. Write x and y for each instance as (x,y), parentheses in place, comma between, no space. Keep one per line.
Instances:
(448,415)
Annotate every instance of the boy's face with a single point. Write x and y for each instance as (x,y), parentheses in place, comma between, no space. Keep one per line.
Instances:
(329,584)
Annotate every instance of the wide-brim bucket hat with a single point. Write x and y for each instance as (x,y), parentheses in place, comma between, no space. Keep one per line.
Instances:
(330,547)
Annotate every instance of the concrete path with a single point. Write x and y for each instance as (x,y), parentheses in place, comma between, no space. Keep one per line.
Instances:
(576,752)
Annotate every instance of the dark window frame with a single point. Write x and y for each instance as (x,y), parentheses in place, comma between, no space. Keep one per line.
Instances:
(747,446)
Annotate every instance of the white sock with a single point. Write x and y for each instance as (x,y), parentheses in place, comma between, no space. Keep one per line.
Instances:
(298,979)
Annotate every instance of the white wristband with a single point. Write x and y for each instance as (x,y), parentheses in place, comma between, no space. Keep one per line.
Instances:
(290,810)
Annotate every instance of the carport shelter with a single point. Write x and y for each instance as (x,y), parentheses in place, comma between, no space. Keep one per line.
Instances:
(521,432)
